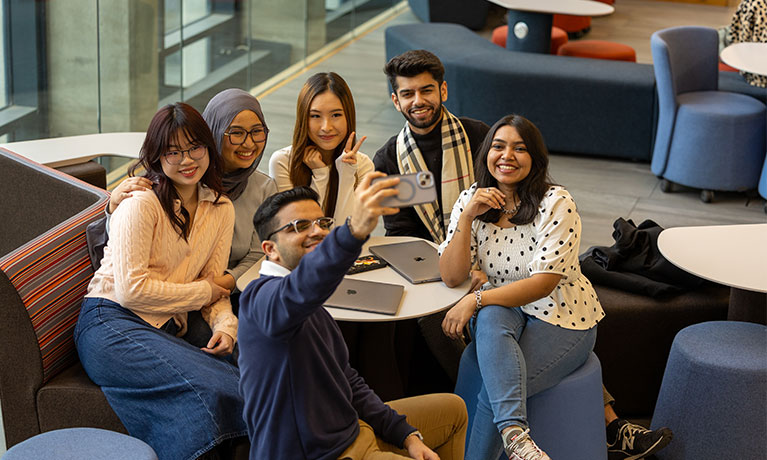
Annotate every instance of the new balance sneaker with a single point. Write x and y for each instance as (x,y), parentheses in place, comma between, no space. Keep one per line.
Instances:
(522,447)
(633,442)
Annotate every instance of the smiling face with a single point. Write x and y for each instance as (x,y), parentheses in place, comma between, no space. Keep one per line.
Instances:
(188,173)
(420,99)
(287,247)
(243,155)
(327,122)
(508,160)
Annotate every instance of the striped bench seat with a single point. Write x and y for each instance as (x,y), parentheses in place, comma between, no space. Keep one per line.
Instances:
(44,273)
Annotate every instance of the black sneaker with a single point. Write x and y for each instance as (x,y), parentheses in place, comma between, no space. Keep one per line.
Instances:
(633,442)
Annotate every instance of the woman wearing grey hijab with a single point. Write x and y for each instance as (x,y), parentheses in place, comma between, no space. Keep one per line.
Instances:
(237,122)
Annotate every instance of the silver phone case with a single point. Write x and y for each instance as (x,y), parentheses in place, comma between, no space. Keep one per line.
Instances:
(415,188)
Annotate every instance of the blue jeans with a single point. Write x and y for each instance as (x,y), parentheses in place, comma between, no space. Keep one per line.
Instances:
(168,393)
(519,356)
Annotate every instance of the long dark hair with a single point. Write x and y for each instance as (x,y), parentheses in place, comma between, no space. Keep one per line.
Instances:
(532,188)
(170,122)
(300,174)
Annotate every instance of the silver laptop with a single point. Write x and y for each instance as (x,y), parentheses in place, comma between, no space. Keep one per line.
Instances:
(416,261)
(369,296)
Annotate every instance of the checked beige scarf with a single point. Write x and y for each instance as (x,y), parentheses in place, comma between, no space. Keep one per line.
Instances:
(457,171)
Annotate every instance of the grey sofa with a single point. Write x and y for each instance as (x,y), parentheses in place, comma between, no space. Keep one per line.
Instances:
(44,273)
(582,106)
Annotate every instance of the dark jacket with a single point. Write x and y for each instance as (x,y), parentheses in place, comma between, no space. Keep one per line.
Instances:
(635,264)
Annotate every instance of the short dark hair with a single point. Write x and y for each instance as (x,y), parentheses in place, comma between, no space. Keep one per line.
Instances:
(412,63)
(263,219)
(532,188)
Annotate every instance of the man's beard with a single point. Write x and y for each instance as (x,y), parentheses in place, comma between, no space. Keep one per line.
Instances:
(424,124)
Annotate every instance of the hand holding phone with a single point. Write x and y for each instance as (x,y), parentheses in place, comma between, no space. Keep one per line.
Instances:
(413,189)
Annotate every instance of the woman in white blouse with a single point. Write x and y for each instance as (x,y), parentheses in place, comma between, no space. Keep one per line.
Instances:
(324,155)
(535,319)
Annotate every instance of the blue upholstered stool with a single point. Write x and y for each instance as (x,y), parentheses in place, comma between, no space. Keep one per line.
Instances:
(567,421)
(80,444)
(714,392)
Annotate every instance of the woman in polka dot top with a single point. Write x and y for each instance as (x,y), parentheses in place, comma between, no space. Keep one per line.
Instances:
(535,319)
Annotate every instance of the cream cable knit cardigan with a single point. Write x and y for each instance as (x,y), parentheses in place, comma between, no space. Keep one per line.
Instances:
(152,271)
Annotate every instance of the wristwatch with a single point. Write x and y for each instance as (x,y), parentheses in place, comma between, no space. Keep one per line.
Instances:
(417,434)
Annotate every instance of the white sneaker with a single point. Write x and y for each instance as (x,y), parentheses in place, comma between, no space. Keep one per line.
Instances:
(522,447)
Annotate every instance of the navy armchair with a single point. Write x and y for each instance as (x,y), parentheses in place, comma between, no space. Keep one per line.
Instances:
(706,138)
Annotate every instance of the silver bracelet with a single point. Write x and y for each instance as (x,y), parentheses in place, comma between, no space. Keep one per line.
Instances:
(478,297)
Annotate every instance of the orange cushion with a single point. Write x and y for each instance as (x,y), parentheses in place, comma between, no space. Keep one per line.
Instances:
(598,49)
(499,36)
(572,24)
(558,37)
(724,67)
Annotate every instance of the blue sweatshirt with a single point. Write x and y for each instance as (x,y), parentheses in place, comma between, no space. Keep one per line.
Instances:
(302,398)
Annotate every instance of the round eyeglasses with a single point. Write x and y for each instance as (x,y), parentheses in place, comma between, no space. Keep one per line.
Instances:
(237,136)
(302,225)
(175,157)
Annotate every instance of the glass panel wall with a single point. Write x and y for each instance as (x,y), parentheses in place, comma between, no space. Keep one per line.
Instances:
(88,66)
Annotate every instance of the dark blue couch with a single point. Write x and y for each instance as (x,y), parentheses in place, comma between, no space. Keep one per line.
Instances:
(582,106)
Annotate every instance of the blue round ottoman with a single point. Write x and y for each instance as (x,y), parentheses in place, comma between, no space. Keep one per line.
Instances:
(714,392)
(567,421)
(79,444)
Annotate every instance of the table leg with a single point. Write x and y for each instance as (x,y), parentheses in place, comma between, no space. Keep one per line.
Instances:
(747,306)
(372,353)
(529,32)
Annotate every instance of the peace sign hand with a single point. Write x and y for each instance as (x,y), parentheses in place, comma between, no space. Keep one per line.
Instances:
(350,150)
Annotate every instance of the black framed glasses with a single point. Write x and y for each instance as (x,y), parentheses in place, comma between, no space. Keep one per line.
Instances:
(237,136)
(175,157)
(302,225)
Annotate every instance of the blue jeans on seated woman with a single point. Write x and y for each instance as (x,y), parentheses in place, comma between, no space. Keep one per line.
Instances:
(175,397)
(519,356)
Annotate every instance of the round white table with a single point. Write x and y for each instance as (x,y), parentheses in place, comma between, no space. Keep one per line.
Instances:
(417,301)
(748,57)
(733,255)
(530,20)
(64,151)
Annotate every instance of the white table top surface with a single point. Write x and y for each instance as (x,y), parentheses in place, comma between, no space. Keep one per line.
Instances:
(749,57)
(417,301)
(734,255)
(571,7)
(63,151)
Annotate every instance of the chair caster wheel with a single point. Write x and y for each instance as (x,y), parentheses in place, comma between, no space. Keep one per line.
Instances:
(666,186)
(707,196)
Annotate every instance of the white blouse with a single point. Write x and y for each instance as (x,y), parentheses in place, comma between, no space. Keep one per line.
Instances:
(348,178)
(550,244)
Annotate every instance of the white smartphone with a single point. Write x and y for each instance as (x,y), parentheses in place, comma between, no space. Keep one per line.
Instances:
(415,188)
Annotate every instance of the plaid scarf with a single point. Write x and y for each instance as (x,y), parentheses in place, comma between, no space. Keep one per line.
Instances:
(457,171)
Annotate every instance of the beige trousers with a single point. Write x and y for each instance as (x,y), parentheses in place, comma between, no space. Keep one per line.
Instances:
(441,419)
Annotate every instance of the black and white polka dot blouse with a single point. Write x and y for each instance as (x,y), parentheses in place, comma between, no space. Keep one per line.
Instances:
(550,244)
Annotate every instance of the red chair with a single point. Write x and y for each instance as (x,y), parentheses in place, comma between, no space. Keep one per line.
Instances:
(575,26)
(558,37)
(725,68)
(598,49)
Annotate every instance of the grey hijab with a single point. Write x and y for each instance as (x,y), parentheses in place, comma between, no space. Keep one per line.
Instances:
(219,114)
